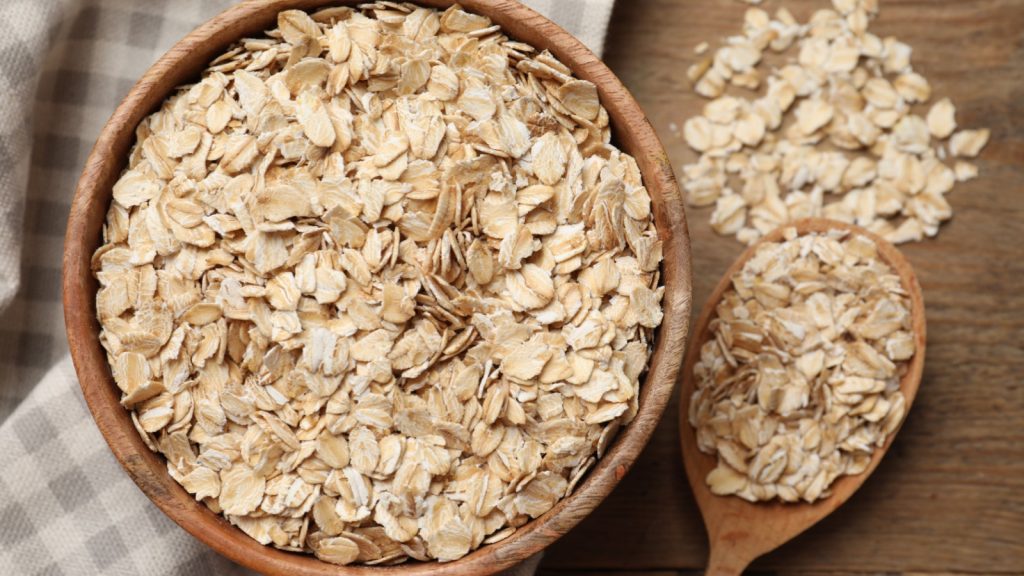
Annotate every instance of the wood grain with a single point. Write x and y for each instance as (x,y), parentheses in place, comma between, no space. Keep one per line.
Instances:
(182,63)
(949,497)
(740,531)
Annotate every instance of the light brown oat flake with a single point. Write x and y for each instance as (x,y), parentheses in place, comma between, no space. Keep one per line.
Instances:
(942,118)
(967,143)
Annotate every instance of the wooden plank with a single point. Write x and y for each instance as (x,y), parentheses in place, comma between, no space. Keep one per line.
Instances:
(555,572)
(950,495)
(546,572)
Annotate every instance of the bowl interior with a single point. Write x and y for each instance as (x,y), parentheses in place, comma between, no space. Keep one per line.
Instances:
(182,64)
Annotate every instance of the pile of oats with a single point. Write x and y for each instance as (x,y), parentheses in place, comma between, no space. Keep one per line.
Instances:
(834,133)
(378,286)
(800,381)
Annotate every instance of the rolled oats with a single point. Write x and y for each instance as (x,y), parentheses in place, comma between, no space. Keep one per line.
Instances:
(967,143)
(378,285)
(942,118)
(851,96)
(799,380)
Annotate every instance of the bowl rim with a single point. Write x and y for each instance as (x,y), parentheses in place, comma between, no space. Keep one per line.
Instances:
(180,65)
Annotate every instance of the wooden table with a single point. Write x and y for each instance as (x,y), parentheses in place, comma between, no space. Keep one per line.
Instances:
(950,495)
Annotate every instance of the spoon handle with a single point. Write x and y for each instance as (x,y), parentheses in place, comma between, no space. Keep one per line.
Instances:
(728,558)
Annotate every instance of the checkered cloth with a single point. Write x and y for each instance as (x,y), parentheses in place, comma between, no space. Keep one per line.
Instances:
(66,506)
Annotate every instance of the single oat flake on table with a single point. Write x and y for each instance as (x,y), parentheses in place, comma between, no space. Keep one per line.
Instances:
(799,383)
(378,286)
(841,131)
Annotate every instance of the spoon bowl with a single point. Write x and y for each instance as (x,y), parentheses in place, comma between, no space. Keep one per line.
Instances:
(740,531)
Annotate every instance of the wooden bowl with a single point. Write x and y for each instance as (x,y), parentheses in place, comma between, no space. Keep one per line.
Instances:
(182,64)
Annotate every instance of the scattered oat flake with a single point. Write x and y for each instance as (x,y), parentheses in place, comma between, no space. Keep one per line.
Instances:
(967,143)
(862,144)
(942,118)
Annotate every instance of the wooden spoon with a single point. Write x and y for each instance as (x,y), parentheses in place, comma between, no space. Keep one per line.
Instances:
(740,531)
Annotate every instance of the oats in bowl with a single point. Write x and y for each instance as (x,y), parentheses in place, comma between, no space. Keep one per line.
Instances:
(378,286)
